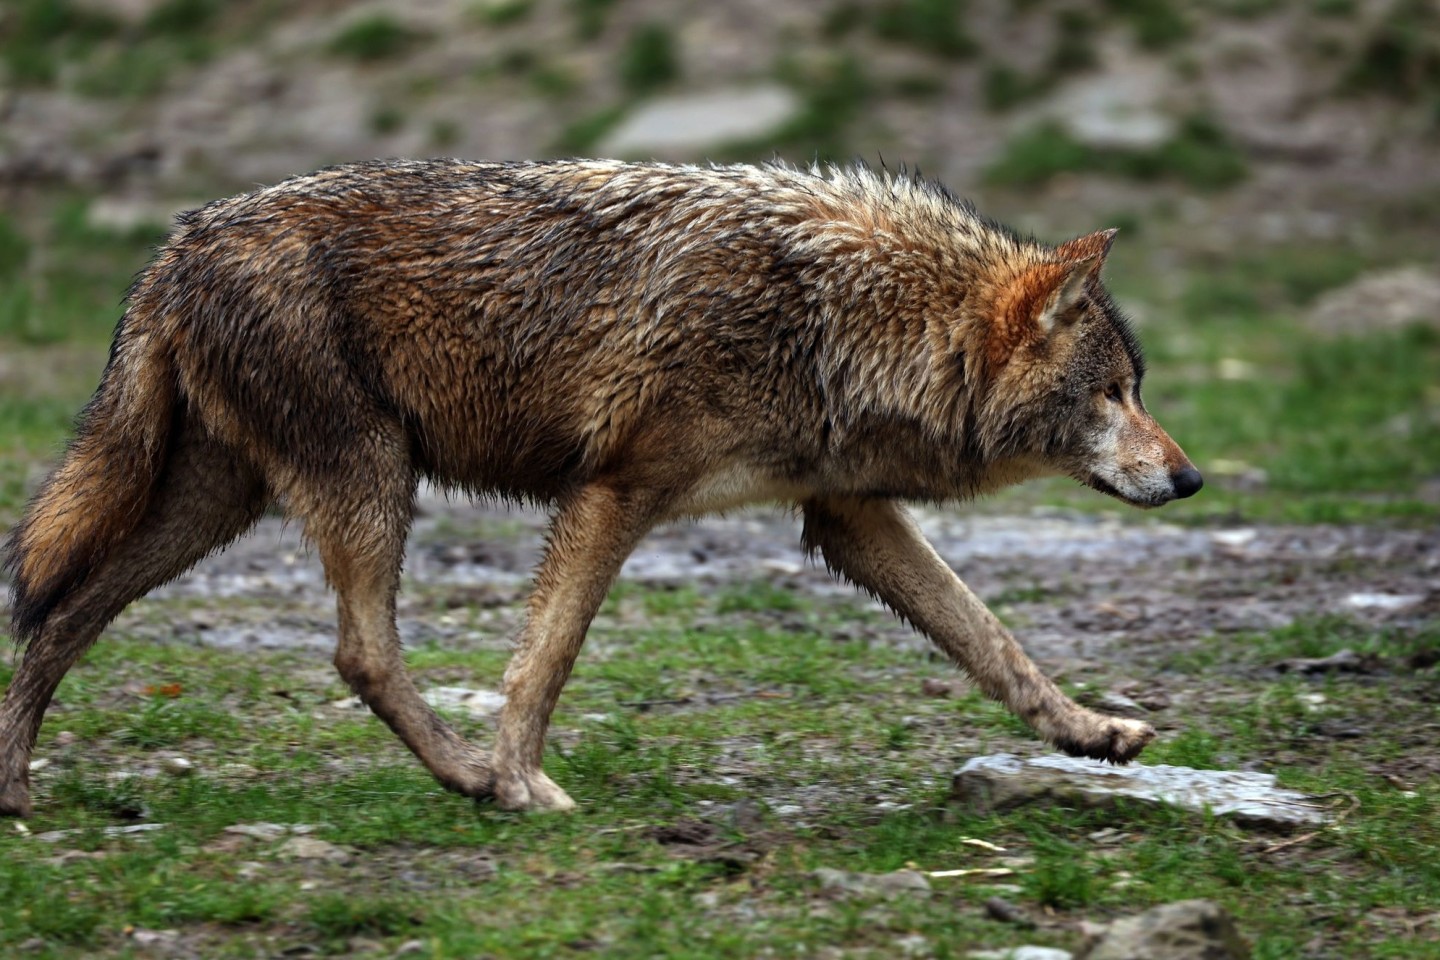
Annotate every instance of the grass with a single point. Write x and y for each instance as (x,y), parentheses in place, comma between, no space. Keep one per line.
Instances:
(1199,155)
(830,727)
(649,60)
(375,38)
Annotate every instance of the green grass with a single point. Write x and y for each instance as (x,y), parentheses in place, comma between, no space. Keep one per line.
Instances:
(649,60)
(375,38)
(827,725)
(1199,155)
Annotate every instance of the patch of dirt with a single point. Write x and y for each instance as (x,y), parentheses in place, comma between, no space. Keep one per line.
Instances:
(1074,587)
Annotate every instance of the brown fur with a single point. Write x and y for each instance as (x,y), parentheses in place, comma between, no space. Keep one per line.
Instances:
(625,343)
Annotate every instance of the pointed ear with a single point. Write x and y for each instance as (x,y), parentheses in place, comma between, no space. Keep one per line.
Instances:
(1056,288)
(1032,305)
(1095,244)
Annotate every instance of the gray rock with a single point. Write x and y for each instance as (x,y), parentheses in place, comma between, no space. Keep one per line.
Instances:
(1116,112)
(1021,953)
(888,885)
(679,125)
(259,831)
(309,848)
(1187,930)
(1002,781)
(474,703)
(1382,300)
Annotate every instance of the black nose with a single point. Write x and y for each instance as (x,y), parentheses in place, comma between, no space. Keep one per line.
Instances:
(1187,482)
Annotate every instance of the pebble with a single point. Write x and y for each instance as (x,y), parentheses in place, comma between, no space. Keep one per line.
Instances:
(177,766)
(887,885)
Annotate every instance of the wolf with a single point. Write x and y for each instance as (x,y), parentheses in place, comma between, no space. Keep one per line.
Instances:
(624,343)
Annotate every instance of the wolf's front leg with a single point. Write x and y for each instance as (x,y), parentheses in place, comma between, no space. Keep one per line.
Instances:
(591,535)
(876,544)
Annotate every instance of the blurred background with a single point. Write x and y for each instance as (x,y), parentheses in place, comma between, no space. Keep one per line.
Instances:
(1272,165)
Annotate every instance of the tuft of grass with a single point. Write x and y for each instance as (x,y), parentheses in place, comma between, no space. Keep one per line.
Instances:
(502,13)
(649,61)
(935,26)
(1400,57)
(591,17)
(182,17)
(36,36)
(1157,24)
(580,136)
(374,38)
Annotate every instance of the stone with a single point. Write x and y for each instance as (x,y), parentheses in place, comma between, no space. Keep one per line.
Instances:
(1002,781)
(1380,300)
(1112,112)
(680,125)
(177,766)
(474,703)
(1186,930)
(309,848)
(258,831)
(886,885)
(1021,953)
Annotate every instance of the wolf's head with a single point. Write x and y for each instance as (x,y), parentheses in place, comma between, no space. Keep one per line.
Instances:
(1065,381)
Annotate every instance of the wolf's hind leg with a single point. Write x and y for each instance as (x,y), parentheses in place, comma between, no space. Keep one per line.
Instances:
(204,498)
(359,527)
(592,533)
(876,544)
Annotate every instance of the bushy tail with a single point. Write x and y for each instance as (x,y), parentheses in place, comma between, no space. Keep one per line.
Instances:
(101,489)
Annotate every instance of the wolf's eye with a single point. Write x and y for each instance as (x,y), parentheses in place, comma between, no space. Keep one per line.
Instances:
(1113,394)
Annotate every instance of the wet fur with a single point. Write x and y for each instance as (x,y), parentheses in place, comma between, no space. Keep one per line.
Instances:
(624,343)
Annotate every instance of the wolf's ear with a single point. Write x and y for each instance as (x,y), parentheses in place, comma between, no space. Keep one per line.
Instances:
(1067,282)
(1034,304)
(1095,244)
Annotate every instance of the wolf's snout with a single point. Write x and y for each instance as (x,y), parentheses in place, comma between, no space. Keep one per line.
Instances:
(1187,482)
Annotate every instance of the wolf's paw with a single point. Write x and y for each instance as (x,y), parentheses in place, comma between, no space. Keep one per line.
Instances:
(1109,738)
(531,792)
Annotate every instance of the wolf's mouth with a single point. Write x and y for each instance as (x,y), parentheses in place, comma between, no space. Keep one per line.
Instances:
(1095,482)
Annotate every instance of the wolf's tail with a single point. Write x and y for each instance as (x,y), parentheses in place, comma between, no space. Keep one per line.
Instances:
(100,491)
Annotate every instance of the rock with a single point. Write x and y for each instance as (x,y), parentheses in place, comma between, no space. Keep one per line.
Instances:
(309,848)
(681,125)
(177,766)
(258,831)
(1004,911)
(1381,300)
(1112,112)
(475,703)
(1187,930)
(1387,602)
(1021,953)
(913,945)
(154,938)
(887,885)
(1342,661)
(1002,781)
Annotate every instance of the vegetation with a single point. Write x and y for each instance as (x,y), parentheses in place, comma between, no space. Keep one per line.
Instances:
(935,26)
(1200,154)
(716,765)
(649,60)
(374,38)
